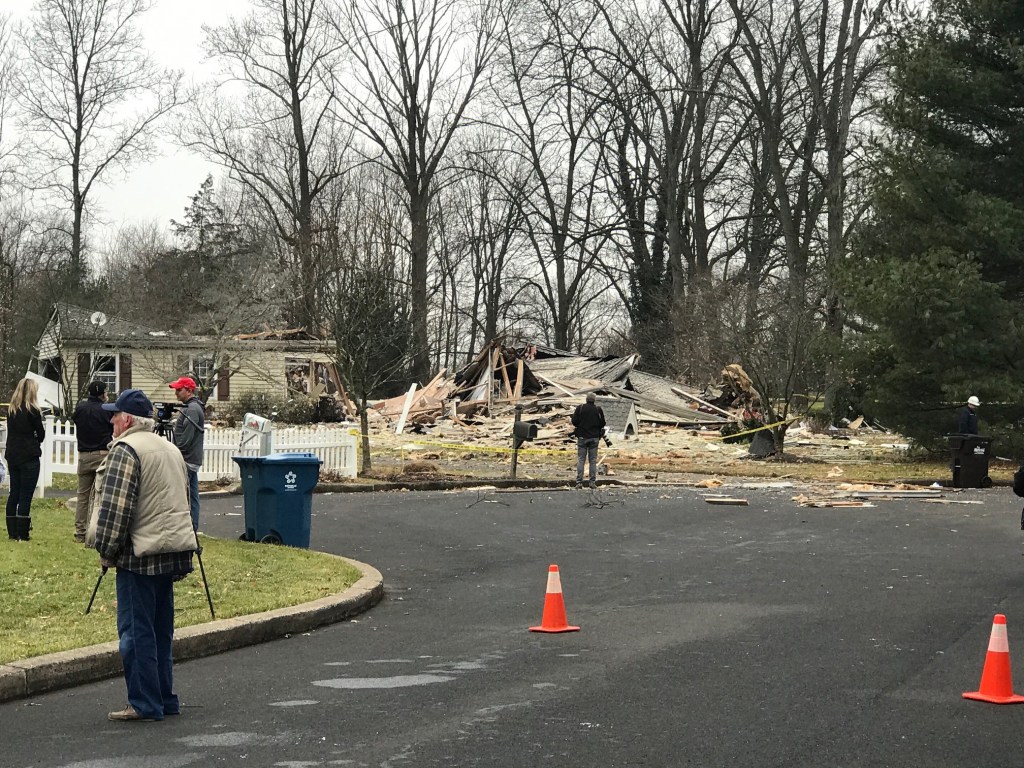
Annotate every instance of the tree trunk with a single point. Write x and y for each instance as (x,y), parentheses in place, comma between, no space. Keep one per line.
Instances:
(364,432)
(420,311)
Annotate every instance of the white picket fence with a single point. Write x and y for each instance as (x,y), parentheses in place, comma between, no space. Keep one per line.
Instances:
(334,444)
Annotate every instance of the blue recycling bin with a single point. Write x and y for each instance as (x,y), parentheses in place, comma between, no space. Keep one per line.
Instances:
(278,493)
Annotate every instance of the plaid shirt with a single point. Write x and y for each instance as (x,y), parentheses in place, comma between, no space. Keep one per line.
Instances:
(118,498)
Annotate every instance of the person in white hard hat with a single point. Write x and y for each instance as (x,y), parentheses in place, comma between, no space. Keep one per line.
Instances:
(967,424)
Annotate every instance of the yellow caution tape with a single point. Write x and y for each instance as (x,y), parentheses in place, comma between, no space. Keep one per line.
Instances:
(755,429)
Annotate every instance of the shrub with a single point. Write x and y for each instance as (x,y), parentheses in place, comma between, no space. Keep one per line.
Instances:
(294,410)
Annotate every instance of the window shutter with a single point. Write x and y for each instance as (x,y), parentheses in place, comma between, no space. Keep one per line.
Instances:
(124,376)
(224,384)
(84,363)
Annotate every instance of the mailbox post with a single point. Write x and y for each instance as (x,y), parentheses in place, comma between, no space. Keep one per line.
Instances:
(522,431)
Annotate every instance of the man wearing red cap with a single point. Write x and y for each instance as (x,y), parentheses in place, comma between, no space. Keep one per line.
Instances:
(188,436)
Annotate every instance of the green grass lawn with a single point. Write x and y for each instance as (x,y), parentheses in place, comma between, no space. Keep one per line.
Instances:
(45,585)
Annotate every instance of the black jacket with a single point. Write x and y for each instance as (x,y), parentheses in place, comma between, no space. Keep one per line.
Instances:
(967,424)
(92,425)
(588,419)
(25,434)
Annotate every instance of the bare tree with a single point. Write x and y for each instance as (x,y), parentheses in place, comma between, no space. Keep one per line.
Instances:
(14,246)
(416,66)
(675,133)
(91,98)
(33,275)
(840,62)
(371,321)
(803,72)
(8,143)
(552,108)
(277,137)
(487,211)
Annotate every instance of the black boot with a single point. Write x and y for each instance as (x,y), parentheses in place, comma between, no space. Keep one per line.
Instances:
(24,524)
(12,527)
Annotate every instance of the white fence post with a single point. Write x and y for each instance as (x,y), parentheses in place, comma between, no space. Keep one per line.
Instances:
(334,444)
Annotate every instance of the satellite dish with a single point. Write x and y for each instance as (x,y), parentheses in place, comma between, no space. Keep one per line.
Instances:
(98,318)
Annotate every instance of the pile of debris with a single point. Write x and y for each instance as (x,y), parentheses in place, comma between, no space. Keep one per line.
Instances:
(479,401)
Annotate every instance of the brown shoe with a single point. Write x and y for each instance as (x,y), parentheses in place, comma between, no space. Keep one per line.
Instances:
(128,714)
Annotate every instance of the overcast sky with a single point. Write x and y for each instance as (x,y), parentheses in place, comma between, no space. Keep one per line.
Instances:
(159,190)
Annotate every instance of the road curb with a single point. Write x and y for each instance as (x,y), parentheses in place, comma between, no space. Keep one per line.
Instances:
(65,669)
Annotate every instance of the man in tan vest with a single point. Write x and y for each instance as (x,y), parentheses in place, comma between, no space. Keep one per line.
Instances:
(144,529)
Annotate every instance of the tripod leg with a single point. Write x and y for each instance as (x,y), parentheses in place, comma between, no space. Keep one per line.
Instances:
(95,590)
(202,571)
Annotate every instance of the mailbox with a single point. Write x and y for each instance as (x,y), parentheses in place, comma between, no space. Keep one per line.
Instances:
(258,429)
(524,430)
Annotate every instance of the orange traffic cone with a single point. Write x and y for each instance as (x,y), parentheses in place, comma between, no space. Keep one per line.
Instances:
(996,684)
(554,607)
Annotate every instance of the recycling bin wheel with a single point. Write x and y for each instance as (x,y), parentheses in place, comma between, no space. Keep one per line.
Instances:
(986,482)
(271,538)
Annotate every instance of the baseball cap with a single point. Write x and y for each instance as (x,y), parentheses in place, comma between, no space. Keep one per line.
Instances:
(133,401)
(185,382)
(972,400)
(97,388)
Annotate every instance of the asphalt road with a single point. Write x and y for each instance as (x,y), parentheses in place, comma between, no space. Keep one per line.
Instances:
(766,635)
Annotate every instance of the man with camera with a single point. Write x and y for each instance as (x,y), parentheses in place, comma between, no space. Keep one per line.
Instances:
(188,436)
(588,418)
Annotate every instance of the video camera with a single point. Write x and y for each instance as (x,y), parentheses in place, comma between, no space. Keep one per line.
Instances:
(165,411)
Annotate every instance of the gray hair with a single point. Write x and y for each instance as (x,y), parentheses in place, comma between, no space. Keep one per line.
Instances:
(149,425)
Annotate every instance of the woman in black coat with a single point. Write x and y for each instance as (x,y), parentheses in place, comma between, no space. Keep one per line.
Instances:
(25,433)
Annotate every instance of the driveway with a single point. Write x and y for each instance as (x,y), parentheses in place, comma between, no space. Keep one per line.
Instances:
(764,635)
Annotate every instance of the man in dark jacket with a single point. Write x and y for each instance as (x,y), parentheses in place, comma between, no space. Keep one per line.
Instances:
(588,419)
(188,436)
(967,423)
(94,433)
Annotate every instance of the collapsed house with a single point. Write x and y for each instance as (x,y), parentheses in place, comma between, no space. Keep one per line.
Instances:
(545,385)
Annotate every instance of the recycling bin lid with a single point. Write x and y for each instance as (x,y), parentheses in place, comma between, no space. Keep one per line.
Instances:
(279,458)
(292,458)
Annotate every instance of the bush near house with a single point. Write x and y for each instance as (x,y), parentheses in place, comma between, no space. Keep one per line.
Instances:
(291,410)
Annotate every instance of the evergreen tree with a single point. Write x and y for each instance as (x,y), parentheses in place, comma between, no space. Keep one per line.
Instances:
(940,271)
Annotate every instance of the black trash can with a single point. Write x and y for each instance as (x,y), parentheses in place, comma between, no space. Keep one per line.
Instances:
(970,460)
(278,497)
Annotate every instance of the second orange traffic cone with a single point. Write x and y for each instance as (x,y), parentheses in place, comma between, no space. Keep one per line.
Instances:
(996,683)
(554,619)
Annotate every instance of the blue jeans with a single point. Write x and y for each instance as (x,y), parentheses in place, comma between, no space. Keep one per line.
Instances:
(586,451)
(24,477)
(193,498)
(145,626)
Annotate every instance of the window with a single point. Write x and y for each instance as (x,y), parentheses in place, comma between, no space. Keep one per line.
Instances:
(104,368)
(203,369)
